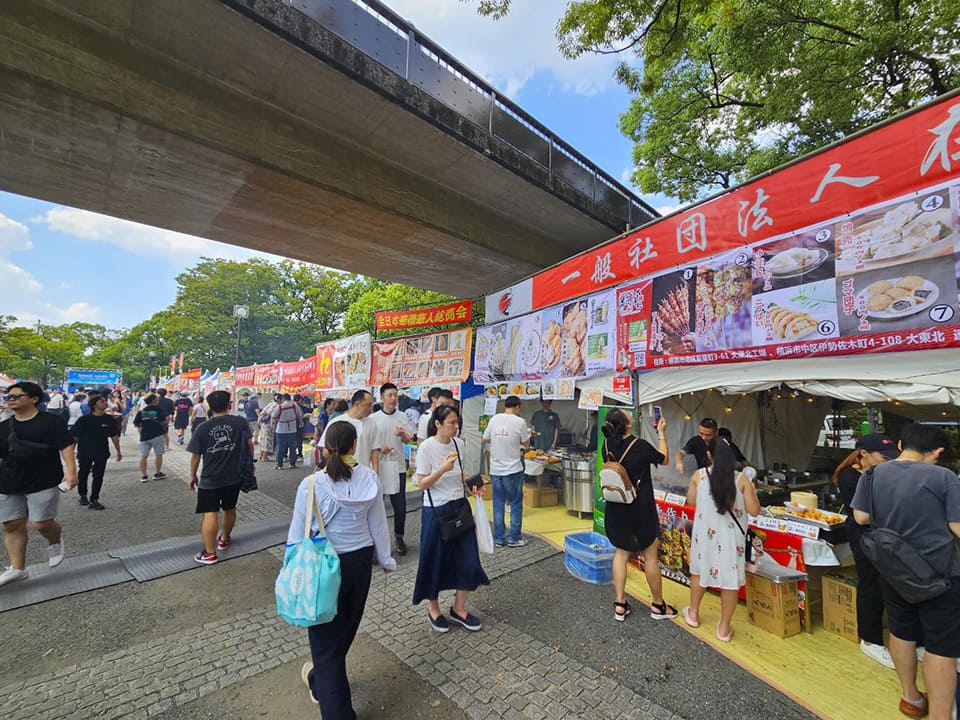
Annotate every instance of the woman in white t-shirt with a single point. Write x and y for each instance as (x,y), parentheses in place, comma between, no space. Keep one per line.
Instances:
(452,564)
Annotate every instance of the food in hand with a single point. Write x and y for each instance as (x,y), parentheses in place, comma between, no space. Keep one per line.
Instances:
(789,324)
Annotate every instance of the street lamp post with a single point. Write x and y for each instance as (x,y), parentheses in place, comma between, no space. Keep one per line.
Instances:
(239,312)
(153,356)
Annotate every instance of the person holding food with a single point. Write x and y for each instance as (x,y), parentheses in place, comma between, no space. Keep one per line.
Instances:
(723,498)
(635,527)
(452,563)
(870,450)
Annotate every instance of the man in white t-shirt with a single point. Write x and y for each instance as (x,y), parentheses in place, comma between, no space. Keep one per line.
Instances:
(508,436)
(358,415)
(437,397)
(391,429)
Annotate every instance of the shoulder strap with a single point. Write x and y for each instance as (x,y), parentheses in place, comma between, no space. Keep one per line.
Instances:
(627,450)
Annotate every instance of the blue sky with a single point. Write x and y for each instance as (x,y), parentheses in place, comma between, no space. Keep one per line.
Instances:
(62,264)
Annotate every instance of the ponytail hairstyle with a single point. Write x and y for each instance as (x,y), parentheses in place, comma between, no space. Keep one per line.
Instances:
(722,475)
(339,440)
(615,424)
(849,461)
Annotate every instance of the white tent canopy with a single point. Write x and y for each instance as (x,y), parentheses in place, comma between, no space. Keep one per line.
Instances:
(923,377)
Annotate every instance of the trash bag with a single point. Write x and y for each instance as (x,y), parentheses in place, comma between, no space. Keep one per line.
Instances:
(484,533)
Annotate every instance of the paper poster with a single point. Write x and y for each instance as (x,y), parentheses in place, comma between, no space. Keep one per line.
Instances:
(425,360)
(601,341)
(633,323)
(490,405)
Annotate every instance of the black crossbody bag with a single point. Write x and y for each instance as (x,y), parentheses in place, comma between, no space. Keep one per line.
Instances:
(462,522)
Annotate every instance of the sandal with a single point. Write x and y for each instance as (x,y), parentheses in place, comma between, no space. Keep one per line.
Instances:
(618,616)
(724,638)
(686,617)
(662,611)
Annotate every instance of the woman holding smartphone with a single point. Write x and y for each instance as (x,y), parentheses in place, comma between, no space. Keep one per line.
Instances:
(635,528)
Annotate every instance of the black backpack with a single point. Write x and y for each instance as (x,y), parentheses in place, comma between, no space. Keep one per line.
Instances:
(898,562)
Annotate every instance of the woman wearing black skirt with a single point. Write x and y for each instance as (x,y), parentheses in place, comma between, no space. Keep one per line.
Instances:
(635,528)
(452,564)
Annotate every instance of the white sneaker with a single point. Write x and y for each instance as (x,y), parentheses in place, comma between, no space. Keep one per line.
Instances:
(55,553)
(878,653)
(10,575)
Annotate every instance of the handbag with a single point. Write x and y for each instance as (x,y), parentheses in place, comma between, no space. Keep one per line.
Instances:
(899,563)
(748,538)
(307,588)
(453,527)
(615,483)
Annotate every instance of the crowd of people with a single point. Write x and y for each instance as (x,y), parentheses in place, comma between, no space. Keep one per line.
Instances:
(50,443)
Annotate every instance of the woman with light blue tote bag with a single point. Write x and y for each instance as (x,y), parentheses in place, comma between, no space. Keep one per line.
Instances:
(349,510)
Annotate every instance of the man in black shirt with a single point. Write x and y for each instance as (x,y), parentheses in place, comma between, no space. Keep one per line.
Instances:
(32,446)
(152,422)
(698,445)
(166,405)
(93,433)
(223,443)
(741,459)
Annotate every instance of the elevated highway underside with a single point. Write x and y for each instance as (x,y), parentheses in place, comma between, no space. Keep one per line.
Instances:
(246,122)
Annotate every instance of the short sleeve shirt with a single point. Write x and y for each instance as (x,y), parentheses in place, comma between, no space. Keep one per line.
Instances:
(546,424)
(916,500)
(93,433)
(32,469)
(698,448)
(221,442)
(506,432)
(384,429)
(152,421)
(430,456)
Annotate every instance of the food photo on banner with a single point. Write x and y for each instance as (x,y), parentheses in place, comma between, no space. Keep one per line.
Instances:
(436,358)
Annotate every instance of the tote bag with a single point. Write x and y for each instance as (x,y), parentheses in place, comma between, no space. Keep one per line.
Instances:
(308,585)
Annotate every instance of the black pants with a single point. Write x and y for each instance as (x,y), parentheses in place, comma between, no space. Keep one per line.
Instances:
(869,597)
(85,464)
(330,642)
(300,432)
(398,501)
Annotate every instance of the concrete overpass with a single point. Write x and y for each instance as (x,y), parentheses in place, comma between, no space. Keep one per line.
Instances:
(323,130)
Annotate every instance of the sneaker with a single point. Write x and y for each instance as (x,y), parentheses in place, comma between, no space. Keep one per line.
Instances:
(221,543)
(95,505)
(517,543)
(305,676)
(439,624)
(205,558)
(878,653)
(401,546)
(55,553)
(180,441)
(498,544)
(83,500)
(662,611)
(12,575)
(159,476)
(468,621)
(144,478)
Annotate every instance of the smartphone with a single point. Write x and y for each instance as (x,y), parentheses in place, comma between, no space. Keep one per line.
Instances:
(657,416)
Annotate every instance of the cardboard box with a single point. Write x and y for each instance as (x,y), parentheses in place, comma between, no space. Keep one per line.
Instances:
(535,496)
(772,606)
(840,605)
(813,598)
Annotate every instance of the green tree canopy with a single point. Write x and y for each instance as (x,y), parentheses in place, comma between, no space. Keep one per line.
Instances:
(380,295)
(727,89)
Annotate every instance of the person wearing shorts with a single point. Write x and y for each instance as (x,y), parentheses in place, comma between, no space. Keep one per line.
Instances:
(151,421)
(893,496)
(34,448)
(223,444)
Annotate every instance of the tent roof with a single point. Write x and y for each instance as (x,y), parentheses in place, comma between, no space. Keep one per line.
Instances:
(923,377)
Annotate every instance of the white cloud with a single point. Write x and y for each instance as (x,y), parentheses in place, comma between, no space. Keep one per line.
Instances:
(14,236)
(510,51)
(144,240)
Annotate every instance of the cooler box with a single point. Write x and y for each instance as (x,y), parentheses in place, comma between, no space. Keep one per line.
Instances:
(589,556)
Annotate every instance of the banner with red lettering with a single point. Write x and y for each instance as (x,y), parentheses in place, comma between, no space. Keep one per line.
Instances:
(299,376)
(854,249)
(423,360)
(451,314)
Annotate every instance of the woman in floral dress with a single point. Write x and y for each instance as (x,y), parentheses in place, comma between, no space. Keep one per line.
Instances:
(723,498)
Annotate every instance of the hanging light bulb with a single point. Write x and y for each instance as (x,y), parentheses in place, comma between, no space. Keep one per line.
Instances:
(728,409)
(810,400)
(687,416)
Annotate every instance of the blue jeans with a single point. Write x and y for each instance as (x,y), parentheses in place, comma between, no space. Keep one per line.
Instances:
(507,488)
(286,445)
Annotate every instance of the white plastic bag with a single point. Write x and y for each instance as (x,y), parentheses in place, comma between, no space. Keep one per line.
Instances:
(484,533)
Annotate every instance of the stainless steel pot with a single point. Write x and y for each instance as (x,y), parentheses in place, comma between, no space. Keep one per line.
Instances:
(579,484)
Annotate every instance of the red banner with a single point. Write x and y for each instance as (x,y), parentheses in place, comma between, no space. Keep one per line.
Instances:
(324,366)
(267,376)
(298,375)
(452,314)
(192,374)
(244,376)
(919,150)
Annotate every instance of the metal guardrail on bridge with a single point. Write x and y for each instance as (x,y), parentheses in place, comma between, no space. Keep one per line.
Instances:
(384,36)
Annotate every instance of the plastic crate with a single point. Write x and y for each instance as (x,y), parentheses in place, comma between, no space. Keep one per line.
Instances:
(589,556)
